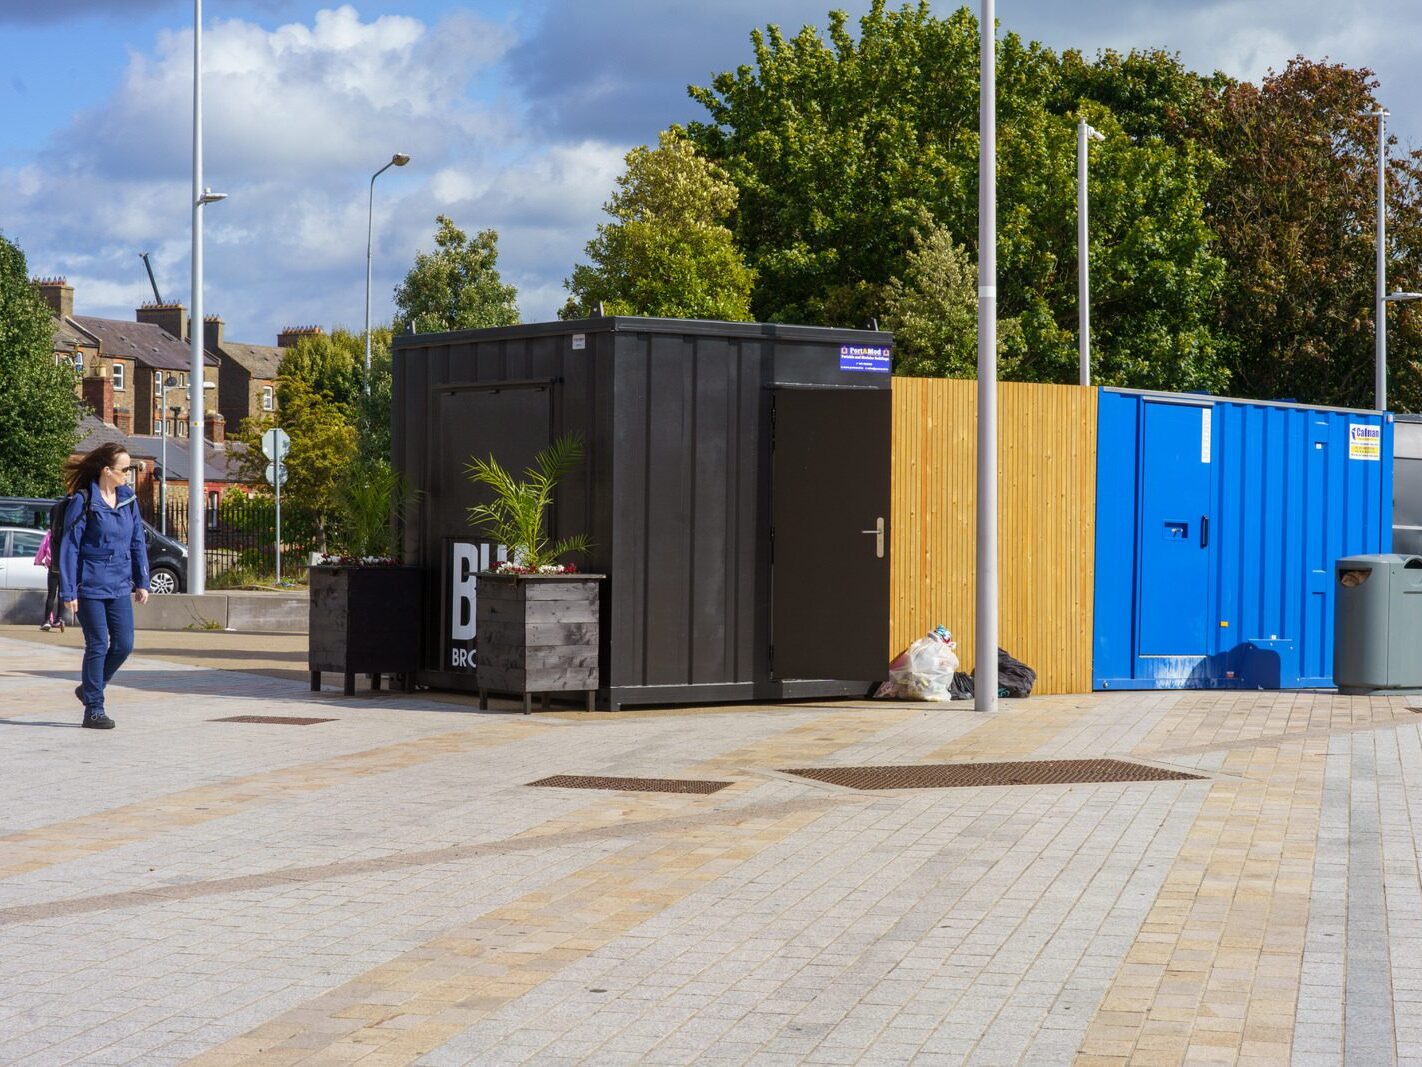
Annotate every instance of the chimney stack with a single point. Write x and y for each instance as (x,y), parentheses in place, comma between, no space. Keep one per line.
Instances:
(216,427)
(291,334)
(57,293)
(170,317)
(98,393)
(212,334)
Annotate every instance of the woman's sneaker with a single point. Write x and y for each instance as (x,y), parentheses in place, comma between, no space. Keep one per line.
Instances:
(46,626)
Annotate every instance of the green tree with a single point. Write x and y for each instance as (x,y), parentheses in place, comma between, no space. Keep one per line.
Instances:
(841,147)
(1293,206)
(323,450)
(667,251)
(38,409)
(319,394)
(331,364)
(933,309)
(373,401)
(1150,91)
(456,287)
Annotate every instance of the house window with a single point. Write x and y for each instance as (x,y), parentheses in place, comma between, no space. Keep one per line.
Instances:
(118,376)
(212,510)
(79,363)
(267,398)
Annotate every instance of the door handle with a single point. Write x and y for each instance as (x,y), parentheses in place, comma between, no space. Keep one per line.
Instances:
(1204,531)
(878,532)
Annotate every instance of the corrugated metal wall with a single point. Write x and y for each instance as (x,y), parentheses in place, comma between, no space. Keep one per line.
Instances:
(1046,516)
(1244,598)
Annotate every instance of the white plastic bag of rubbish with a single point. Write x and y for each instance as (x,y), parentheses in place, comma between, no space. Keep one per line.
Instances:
(924,670)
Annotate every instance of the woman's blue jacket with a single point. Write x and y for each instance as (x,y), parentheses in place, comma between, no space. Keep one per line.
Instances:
(103,553)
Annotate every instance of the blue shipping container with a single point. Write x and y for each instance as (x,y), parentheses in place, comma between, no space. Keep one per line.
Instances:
(1217,524)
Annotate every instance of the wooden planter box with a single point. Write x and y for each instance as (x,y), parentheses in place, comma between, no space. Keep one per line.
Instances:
(365,620)
(537,634)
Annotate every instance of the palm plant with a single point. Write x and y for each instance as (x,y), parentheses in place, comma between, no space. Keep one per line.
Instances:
(515,517)
(368,505)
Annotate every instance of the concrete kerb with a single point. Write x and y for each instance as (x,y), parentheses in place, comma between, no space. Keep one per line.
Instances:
(237,611)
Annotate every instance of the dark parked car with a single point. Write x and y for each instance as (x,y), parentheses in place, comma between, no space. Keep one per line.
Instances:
(167,558)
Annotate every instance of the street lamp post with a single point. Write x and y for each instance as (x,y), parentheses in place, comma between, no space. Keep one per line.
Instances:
(1380,289)
(202,196)
(399,159)
(1084,134)
(985,641)
(168,382)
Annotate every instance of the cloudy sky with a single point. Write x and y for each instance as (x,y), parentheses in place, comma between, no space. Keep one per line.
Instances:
(516,115)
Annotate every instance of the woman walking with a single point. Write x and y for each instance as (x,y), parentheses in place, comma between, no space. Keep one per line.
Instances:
(103,559)
(48,558)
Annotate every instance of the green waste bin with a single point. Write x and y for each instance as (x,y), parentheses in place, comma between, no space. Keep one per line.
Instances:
(1377,624)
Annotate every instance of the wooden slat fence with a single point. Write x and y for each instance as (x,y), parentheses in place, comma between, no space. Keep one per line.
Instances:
(1046,517)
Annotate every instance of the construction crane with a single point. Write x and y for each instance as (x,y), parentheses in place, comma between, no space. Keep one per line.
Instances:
(149,267)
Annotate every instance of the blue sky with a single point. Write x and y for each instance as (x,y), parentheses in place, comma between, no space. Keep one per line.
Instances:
(517,116)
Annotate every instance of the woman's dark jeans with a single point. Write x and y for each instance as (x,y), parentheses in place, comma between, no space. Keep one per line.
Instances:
(108,639)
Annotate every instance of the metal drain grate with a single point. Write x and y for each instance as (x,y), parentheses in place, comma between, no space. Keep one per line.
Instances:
(630,785)
(280,720)
(958,775)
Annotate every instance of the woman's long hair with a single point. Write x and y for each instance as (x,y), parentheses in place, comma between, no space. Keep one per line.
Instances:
(84,472)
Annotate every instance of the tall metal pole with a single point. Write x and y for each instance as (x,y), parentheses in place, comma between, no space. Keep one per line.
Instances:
(399,159)
(1084,135)
(1380,356)
(369,231)
(163,486)
(985,641)
(197,496)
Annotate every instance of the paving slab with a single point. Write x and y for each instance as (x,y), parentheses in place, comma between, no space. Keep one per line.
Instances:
(387,887)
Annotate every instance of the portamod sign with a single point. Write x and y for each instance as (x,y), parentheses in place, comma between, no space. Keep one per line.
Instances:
(875,358)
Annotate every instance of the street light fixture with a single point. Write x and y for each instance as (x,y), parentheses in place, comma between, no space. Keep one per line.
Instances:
(399,159)
(1084,134)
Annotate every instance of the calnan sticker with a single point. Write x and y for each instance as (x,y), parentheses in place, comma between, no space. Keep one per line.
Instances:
(875,358)
(1364,441)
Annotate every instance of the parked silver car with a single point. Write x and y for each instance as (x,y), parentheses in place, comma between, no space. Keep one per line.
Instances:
(18,545)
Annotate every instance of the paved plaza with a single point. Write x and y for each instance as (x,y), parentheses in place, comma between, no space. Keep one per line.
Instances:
(387,888)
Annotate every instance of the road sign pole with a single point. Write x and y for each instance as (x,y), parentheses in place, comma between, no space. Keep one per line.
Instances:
(275,445)
(277,462)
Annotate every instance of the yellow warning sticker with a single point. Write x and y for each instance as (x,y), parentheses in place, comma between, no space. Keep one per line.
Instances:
(1364,441)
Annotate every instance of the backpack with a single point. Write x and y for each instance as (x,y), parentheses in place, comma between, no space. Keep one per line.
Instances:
(57,514)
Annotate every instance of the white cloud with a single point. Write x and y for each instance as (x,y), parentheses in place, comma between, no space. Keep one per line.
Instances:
(1247,38)
(297,118)
(295,99)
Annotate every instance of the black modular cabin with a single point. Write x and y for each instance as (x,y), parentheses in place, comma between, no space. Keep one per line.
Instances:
(735,486)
